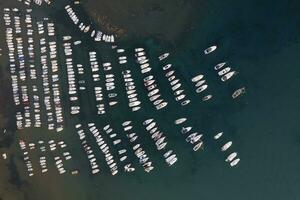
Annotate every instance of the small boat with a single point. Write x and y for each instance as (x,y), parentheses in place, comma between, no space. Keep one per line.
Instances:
(168,153)
(201,89)
(235,162)
(174,82)
(180,121)
(177,86)
(148,78)
(171,78)
(226,146)
(207,97)
(228,76)
(153,130)
(146,70)
(199,83)
(197,78)
(157,102)
(220,65)
(180,97)
(126,123)
(150,82)
(167,66)
(218,135)
(138,49)
(170,73)
(161,105)
(153,98)
(198,146)
(178,92)
(210,49)
(186,129)
(150,126)
(153,92)
(185,102)
(151,87)
(148,121)
(163,56)
(238,92)
(231,157)
(161,146)
(224,71)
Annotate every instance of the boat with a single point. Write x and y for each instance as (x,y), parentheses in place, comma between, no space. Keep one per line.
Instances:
(138,49)
(151,87)
(161,146)
(180,121)
(238,92)
(199,83)
(180,97)
(153,98)
(136,108)
(163,56)
(157,102)
(207,97)
(178,92)
(220,65)
(235,162)
(150,126)
(168,153)
(218,135)
(133,104)
(167,66)
(126,123)
(226,146)
(186,129)
(174,82)
(210,49)
(170,73)
(161,105)
(146,70)
(153,92)
(148,121)
(197,78)
(185,102)
(198,146)
(177,86)
(150,82)
(228,76)
(224,71)
(231,157)
(201,88)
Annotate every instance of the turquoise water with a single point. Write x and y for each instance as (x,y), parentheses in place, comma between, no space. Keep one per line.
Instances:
(260,39)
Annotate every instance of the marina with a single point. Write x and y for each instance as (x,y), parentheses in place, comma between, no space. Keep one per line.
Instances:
(110,100)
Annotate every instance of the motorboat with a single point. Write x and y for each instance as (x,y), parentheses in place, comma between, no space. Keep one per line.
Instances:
(199,83)
(238,92)
(207,97)
(185,102)
(201,88)
(224,71)
(170,73)
(161,105)
(210,49)
(218,135)
(153,98)
(235,162)
(150,126)
(198,146)
(126,123)
(228,76)
(168,153)
(167,66)
(171,78)
(231,157)
(197,78)
(177,86)
(186,129)
(226,146)
(163,56)
(220,65)
(178,92)
(180,121)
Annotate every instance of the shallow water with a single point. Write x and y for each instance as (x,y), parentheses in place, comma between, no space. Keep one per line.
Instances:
(260,39)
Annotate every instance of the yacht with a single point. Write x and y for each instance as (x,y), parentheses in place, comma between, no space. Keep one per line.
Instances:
(197,78)
(177,86)
(226,146)
(170,73)
(231,157)
(238,92)
(218,135)
(180,97)
(163,56)
(161,146)
(146,70)
(210,49)
(201,89)
(228,76)
(220,65)
(150,126)
(153,98)
(224,71)
(178,92)
(174,82)
(235,162)
(185,102)
(180,121)
(126,123)
(153,92)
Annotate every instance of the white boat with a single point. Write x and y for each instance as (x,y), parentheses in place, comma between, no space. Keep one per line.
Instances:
(150,126)
(226,146)
(177,86)
(149,82)
(218,135)
(153,92)
(238,92)
(161,146)
(136,108)
(197,78)
(138,49)
(146,70)
(180,121)
(228,76)
(210,49)
(170,73)
(186,129)
(157,102)
(185,102)
(180,97)
(134,104)
(143,66)
(220,65)
(201,88)
(231,157)
(168,153)
(224,71)
(126,123)
(207,97)
(235,162)
(153,98)
(161,105)
(163,56)
(151,87)
(178,92)
(171,78)
(174,82)
(198,146)
(199,83)
(167,66)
